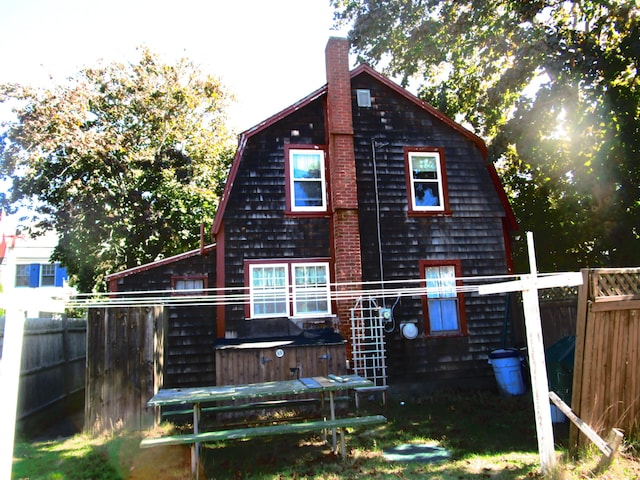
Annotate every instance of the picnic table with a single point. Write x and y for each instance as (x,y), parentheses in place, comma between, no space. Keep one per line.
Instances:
(244,398)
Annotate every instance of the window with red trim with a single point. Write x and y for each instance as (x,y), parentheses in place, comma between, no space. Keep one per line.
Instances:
(443,303)
(298,288)
(426,180)
(306,187)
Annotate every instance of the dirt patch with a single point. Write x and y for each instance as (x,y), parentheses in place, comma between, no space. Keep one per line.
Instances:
(168,462)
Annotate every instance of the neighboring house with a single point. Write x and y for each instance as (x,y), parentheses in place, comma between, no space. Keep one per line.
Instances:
(358,186)
(30,280)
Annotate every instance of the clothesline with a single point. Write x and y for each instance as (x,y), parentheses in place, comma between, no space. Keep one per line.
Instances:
(392,289)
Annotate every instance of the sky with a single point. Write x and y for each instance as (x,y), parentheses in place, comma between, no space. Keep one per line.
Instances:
(268,53)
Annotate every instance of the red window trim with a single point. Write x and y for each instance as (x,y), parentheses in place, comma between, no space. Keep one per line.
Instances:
(203,277)
(457,264)
(287,172)
(445,188)
(288,262)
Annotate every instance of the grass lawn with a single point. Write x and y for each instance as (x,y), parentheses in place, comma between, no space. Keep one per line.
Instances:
(473,434)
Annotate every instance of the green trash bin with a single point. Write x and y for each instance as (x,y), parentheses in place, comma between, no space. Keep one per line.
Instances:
(559,358)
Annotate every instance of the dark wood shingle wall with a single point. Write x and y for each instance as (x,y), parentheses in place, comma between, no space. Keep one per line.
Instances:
(472,233)
(190,330)
(255,223)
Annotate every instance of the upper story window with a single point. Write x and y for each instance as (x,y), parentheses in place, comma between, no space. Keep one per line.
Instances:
(306,183)
(40,275)
(426,180)
(294,288)
(443,305)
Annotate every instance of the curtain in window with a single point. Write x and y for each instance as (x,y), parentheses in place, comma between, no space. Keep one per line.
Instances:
(442,298)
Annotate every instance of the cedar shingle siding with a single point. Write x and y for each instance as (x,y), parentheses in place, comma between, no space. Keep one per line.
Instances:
(253,224)
(190,331)
(472,234)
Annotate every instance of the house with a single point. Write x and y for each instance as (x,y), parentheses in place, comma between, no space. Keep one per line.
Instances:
(28,277)
(344,207)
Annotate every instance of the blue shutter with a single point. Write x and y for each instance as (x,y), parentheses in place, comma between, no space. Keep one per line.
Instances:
(61,275)
(34,275)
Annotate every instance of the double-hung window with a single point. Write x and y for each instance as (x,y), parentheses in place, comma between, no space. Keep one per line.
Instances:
(23,274)
(36,275)
(426,180)
(269,286)
(443,304)
(311,289)
(47,275)
(306,182)
(293,288)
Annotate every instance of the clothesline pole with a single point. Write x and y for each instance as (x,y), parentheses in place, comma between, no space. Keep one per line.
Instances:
(529,286)
(537,365)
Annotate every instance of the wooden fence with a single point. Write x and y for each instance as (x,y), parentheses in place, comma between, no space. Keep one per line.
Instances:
(124,367)
(53,363)
(606,380)
(558,310)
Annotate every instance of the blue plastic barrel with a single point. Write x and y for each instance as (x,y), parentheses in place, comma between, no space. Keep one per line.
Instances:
(507,367)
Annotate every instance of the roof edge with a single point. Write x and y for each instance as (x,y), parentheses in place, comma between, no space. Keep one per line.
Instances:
(364,68)
(478,141)
(242,142)
(159,263)
(360,69)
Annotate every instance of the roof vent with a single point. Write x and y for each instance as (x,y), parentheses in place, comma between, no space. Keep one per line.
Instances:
(364,97)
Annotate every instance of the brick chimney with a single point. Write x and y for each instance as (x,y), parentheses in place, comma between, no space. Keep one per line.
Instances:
(342,175)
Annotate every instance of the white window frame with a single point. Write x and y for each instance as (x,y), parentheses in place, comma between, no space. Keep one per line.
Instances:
(51,274)
(317,292)
(290,291)
(438,181)
(293,180)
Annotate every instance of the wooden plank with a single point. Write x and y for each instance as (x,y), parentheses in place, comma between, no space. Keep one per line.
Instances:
(597,376)
(268,430)
(234,392)
(620,366)
(634,369)
(550,281)
(605,304)
(579,355)
(247,406)
(583,426)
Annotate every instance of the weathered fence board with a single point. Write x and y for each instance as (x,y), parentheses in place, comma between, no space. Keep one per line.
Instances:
(53,362)
(606,384)
(558,310)
(124,365)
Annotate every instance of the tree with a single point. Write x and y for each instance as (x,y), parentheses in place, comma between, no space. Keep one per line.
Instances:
(124,161)
(553,88)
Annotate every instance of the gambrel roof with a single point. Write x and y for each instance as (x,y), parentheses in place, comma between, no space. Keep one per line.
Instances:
(315,95)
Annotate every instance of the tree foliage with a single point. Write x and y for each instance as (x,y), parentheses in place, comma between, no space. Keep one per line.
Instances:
(124,161)
(552,86)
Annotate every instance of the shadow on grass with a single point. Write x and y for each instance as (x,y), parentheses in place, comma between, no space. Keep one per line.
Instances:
(482,433)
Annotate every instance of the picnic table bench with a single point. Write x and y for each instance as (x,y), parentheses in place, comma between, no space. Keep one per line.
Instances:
(247,394)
